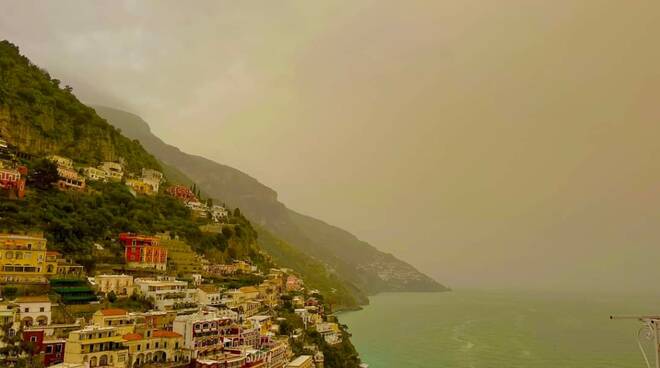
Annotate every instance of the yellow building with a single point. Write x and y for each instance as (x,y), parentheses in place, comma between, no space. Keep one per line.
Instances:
(23,258)
(140,186)
(96,346)
(115,317)
(303,361)
(155,346)
(121,285)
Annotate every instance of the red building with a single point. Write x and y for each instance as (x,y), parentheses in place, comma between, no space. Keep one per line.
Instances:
(143,251)
(54,351)
(36,337)
(182,193)
(12,181)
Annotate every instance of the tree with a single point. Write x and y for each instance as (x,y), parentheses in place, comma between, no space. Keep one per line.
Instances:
(9,292)
(43,174)
(112,297)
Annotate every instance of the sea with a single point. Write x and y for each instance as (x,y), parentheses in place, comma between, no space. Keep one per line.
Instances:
(508,329)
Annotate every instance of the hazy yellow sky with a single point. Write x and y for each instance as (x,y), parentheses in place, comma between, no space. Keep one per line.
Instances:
(490,143)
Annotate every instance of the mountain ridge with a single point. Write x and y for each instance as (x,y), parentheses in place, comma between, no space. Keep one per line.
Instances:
(359,263)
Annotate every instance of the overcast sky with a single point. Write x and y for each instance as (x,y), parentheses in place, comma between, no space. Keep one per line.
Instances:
(489,143)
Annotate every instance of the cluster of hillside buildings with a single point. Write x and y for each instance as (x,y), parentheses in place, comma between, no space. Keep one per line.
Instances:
(12,174)
(74,177)
(192,323)
(147,183)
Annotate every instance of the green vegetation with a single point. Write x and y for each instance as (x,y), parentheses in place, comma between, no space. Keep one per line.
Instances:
(239,281)
(72,222)
(40,117)
(338,294)
(133,303)
(16,352)
(341,355)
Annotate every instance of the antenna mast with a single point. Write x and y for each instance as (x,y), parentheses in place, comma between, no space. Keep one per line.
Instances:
(648,331)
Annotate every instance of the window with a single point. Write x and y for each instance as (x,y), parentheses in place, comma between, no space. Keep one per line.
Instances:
(49,349)
(19,255)
(58,348)
(33,338)
(42,309)
(156,345)
(9,255)
(26,310)
(139,347)
(147,346)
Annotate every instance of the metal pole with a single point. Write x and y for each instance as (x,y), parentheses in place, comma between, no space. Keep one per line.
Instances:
(657,344)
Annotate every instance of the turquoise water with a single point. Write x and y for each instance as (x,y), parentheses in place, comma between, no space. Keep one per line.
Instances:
(466,329)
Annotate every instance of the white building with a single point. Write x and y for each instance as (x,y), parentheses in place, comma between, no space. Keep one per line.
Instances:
(204,332)
(153,178)
(219,213)
(94,174)
(209,295)
(113,170)
(62,162)
(34,310)
(168,293)
(330,332)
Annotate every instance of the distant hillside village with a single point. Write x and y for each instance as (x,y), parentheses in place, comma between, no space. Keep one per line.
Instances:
(160,303)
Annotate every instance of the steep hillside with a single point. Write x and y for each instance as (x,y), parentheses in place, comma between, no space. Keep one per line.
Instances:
(355,262)
(38,116)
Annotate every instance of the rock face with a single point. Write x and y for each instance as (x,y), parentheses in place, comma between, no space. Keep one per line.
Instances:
(39,117)
(352,260)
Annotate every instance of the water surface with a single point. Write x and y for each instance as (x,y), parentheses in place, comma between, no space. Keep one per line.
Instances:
(464,329)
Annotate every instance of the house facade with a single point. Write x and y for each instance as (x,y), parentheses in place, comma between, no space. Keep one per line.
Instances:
(168,293)
(22,259)
(113,170)
(34,310)
(12,181)
(96,346)
(121,285)
(143,251)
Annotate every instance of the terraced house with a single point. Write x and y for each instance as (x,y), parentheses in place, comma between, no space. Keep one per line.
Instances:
(23,259)
(168,293)
(142,251)
(96,346)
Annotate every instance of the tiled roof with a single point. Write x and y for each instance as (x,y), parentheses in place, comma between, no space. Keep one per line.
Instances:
(113,312)
(33,299)
(163,333)
(249,289)
(132,337)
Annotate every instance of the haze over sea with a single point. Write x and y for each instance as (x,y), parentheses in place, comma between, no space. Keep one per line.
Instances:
(490,329)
